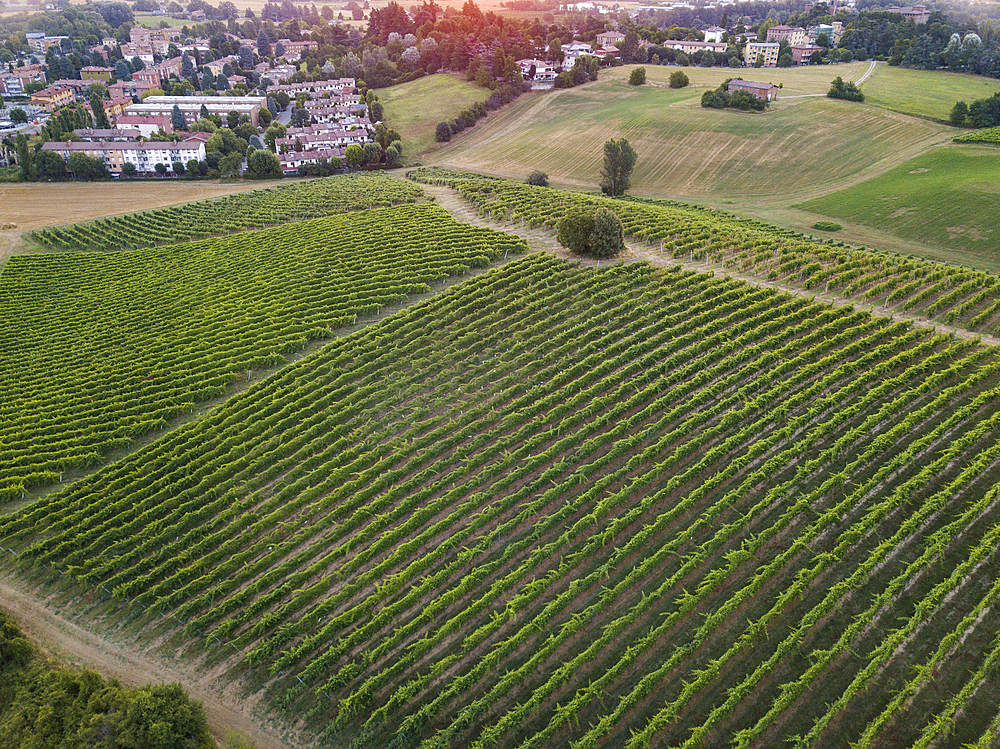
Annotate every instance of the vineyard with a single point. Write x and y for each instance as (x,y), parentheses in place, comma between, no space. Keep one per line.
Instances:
(99,348)
(990,135)
(958,296)
(554,506)
(233,213)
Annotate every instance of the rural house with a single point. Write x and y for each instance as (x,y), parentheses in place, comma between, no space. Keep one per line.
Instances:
(765,91)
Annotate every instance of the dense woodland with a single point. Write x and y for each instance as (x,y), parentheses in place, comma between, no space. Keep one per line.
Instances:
(43,704)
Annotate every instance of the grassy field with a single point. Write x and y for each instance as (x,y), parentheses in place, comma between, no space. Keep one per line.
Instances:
(415,108)
(802,147)
(925,93)
(947,198)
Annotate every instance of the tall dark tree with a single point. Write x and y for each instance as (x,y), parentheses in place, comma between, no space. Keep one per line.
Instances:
(263,45)
(100,116)
(619,160)
(177,118)
(187,66)
(121,71)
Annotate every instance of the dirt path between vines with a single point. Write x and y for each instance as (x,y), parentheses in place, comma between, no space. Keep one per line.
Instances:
(541,240)
(37,613)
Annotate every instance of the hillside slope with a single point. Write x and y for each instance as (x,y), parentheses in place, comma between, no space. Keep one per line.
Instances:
(556,505)
(98,349)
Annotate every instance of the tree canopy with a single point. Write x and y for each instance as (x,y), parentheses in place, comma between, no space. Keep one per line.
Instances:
(619,160)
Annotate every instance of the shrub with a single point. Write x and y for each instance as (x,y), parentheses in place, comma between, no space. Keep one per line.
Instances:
(574,230)
(538,178)
(638,77)
(607,239)
(841,90)
(443,132)
(827,226)
(679,79)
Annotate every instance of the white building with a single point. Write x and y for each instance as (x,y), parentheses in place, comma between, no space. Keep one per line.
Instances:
(544,70)
(573,51)
(714,34)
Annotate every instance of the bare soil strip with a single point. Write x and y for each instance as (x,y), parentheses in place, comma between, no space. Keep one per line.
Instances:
(544,241)
(38,617)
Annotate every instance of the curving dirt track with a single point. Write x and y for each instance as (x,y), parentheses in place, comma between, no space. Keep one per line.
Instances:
(38,617)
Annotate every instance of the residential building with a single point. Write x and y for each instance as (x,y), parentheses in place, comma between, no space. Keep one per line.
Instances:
(802,52)
(116,106)
(16,81)
(321,139)
(81,88)
(292,160)
(146,125)
(216,66)
(144,156)
(112,135)
(156,73)
(41,43)
(96,73)
(714,33)
(791,34)
(190,106)
(54,96)
(765,91)
(689,48)
(573,51)
(767,50)
(916,13)
(130,50)
(129,89)
(610,38)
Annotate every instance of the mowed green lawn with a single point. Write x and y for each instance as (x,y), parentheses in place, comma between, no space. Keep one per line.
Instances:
(925,93)
(805,146)
(415,108)
(948,198)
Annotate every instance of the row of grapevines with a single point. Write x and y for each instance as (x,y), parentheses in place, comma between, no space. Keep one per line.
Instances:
(98,349)
(554,506)
(951,294)
(232,213)
(987,135)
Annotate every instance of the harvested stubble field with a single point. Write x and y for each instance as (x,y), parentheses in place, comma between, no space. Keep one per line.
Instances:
(802,147)
(33,205)
(554,506)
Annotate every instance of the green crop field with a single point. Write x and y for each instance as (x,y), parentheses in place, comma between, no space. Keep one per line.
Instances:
(98,348)
(946,198)
(554,506)
(415,108)
(925,93)
(232,213)
(803,147)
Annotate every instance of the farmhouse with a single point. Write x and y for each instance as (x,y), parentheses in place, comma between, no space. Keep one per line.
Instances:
(765,91)
(767,50)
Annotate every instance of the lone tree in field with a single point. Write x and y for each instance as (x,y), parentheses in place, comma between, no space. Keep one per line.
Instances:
(619,160)
(679,79)
(538,178)
(638,77)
